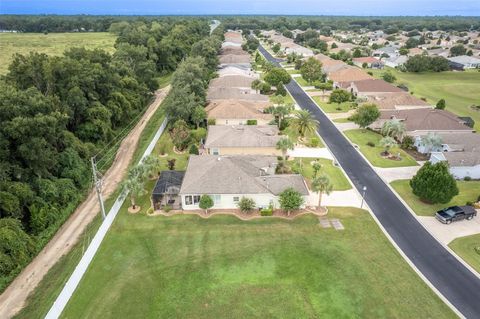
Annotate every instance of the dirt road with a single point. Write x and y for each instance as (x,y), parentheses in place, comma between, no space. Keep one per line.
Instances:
(14,297)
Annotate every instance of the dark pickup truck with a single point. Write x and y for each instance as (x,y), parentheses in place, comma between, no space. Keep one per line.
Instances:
(454,213)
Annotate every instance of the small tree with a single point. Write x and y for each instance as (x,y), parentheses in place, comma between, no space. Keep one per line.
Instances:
(387,143)
(324,86)
(206,202)
(394,128)
(171,164)
(321,185)
(433,183)
(311,70)
(339,96)
(152,165)
(198,115)
(180,134)
(277,76)
(316,168)
(290,200)
(366,115)
(431,142)
(257,85)
(304,122)
(441,104)
(246,205)
(389,77)
(134,184)
(285,144)
(276,48)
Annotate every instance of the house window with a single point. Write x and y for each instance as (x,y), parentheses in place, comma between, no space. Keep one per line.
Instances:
(192,199)
(236,199)
(196,199)
(188,200)
(214,151)
(216,199)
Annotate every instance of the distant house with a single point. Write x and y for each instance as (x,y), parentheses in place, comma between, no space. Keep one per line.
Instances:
(459,142)
(396,61)
(415,51)
(297,49)
(390,51)
(232,70)
(233,59)
(331,65)
(166,190)
(370,87)
(242,140)
(227,44)
(464,62)
(229,178)
(233,50)
(238,112)
(224,93)
(397,101)
(232,81)
(461,164)
(347,75)
(420,122)
(371,62)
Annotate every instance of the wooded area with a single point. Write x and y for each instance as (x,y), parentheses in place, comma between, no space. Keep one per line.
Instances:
(57,112)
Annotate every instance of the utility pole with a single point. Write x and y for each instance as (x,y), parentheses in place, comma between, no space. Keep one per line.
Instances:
(98,185)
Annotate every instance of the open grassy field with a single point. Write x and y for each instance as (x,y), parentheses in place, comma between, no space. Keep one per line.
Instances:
(468,191)
(459,89)
(52,44)
(361,137)
(468,248)
(189,267)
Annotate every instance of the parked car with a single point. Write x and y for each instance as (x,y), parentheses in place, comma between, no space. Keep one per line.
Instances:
(454,213)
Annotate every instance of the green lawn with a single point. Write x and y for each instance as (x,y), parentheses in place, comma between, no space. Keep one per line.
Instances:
(188,267)
(302,82)
(342,120)
(181,160)
(52,44)
(333,107)
(286,100)
(294,72)
(468,248)
(468,191)
(362,137)
(334,173)
(459,89)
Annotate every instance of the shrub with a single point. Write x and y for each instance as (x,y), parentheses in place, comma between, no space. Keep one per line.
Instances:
(211,121)
(281,90)
(206,202)
(290,200)
(314,142)
(371,144)
(434,183)
(167,208)
(389,77)
(467,178)
(251,122)
(469,203)
(198,134)
(423,99)
(440,104)
(266,211)
(193,149)
(364,65)
(150,211)
(407,142)
(370,73)
(246,204)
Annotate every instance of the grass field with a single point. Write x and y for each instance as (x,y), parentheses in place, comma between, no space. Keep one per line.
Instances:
(362,137)
(468,248)
(468,191)
(334,173)
(52,44)
(459,89)
(188,267)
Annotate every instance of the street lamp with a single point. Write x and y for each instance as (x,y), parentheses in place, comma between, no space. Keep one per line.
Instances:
(363,195)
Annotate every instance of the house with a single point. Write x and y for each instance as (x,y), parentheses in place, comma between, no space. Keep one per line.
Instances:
(390,51)
(232,81)
(242,140)
(370,87)
(297,49)
(233,70)
(461,164)
(166,190)
(224,93)
(420,122)
(238,112)
(459,142)
(396,61)
(229,178)
(415,51)
(371,62)
(331,65)
(465,62)
(233,50)
(347,75)
(227,44)
(396,101)
(233,59)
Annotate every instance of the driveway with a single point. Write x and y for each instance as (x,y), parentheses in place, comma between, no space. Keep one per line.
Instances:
(457,284)
(447,233)
(346,126)
(310,152)
(394,173)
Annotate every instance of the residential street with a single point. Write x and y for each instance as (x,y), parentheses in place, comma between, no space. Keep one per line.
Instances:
(460,286)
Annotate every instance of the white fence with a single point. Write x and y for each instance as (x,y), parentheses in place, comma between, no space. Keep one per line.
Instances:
(72,283)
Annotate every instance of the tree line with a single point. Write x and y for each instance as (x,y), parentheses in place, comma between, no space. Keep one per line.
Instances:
(57,112)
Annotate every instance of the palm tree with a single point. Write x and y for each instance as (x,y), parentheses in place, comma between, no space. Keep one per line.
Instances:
(285,144)
(256,85)
(431,141)
(152,164)
(134,184)
(387,142)
(394,128)
(304,122)
(280,112)
(316,168)
(321,185)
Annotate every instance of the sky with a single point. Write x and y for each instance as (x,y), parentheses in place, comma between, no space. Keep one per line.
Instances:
(281,7)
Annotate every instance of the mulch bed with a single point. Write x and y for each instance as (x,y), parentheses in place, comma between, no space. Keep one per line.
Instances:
(417,155)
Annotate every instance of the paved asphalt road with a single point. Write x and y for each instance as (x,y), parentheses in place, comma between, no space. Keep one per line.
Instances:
(458,284)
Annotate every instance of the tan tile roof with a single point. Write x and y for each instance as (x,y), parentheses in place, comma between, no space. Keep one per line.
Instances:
(375,85)
(393,101)
(427,120)
(221,93)
(348,75)
(232,70)
(462,158)
(367,59)
(242,136)
(235,109)
(234,58)
(233,50)
(331,65)
(467,142)
(232,81)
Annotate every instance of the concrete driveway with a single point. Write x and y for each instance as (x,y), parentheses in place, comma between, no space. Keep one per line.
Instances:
(348,198)
(394,173)
(310,152)
(447,233)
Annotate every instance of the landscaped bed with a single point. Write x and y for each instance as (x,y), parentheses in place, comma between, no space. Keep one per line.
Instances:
(468,192)
(361,137)
(468,248)
(190,267)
